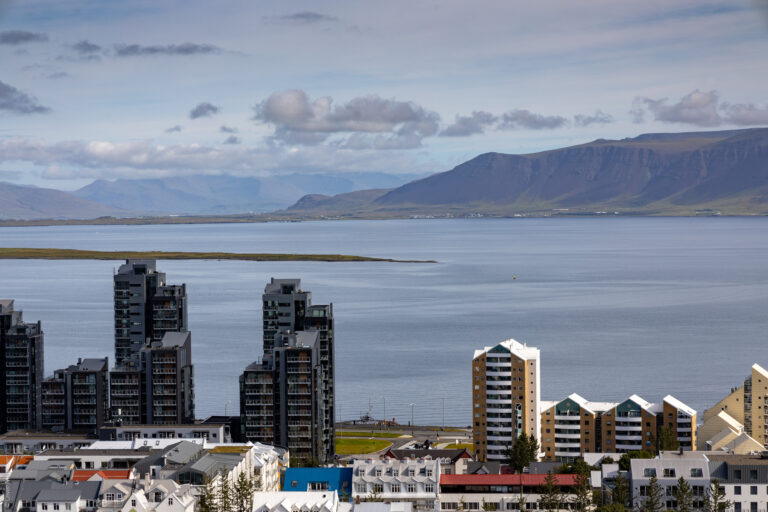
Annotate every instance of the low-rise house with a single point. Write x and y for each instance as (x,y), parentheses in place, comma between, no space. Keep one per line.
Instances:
(411,480)
(667,472)
(337,480)
(500,492)
(448,458)
(744,478)
(308,501)
(266,466)
(161,496)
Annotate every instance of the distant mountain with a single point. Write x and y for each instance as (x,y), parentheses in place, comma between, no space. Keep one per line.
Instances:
(24,202)
(675,173)
(224,194)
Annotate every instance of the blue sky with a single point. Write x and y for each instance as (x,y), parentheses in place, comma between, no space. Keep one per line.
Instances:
(116,89)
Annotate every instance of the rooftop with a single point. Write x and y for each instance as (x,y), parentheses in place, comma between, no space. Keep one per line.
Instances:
(514,479)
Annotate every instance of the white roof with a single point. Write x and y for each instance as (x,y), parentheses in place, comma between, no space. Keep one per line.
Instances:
(648,406)
(141,442)
(760,369)
(730,421)
(302,500)
(523,351)
(680,406)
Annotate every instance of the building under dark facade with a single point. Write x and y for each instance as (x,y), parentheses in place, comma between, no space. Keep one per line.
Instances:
(287,397)
(76,397)
(21,370)
(152,381)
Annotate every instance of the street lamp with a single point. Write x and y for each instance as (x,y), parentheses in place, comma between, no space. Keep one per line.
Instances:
(412,419)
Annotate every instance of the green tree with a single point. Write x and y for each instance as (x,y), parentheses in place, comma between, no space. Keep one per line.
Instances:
(582,498)
(226,499)
(606,460)
(684,495)
(716,501)
(243,493)
(667,439)
(208,500)
(523,452)
(654,497)
(620,493)
(578,467)
(550,496)
(624,460)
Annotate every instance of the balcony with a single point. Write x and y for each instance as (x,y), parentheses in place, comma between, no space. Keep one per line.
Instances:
(637,437)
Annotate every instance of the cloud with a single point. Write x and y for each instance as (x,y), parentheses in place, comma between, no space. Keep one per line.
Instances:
(85,47)
(522,118)
(745,114)
(307,17)
(696,108)
(10,175)
(298,120)
(173,129)
(599,117)
(232,140)
(227,129)
(57,75)
(15,37)
(18,102)
(204,109)
(133,50)
(470,125)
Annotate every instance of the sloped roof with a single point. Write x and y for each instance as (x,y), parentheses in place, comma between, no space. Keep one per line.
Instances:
(82,475)
(680,406)
(521,350)
(453,454)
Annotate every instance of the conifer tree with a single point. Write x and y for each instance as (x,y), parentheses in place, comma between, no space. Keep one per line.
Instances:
(550,496)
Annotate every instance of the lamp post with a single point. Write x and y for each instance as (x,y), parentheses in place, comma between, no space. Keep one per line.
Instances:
(412,418)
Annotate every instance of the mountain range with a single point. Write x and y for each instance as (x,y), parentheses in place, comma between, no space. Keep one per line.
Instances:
(663,173)
(653,174)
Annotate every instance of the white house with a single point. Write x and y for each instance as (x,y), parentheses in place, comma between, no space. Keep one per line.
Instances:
(411,480)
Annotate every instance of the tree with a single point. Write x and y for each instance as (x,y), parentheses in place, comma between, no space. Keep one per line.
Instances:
(667,439)
(225,493)
(684,496)
(582,494)
(243,493)
(523,452)
(606,460)
(620,493)
(716,501)
(654,499)
(550,496)
(208,499)
(624,460)
(578,467)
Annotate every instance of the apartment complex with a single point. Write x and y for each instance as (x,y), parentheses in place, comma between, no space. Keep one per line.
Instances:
(76,397)
(740,417)
(145,308)
(287,396)
(21,370)
(574,426)
(505,397)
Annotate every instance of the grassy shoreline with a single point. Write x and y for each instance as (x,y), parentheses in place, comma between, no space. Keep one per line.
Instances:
(20,253)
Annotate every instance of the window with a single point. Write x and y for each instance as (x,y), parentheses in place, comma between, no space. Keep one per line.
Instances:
(669,472)
(55,506)
(737,490)
(410,488)
(45,506)
(753,474)
(449,506)
(737,507)
(753,490)
(378,471)
(429,472)
(133,503)
(473,505)
(753,507)
(170,501)
(318,486)
(697,472)
(395,488)
(360,488)
(429,488)
(67,506)
(378,488)
(649,472)
(411,471)
(737,474)
(395,472)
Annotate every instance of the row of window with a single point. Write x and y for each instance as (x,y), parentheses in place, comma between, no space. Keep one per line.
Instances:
(670,472)
(393,488)
(396,472)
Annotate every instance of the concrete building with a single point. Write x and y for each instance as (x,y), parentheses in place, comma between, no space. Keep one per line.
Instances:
(76,397)
(145,308)
(743,411)
(410,480)
(216,433)
(743,478)
(505,397)
(447,457)
(21,370)
(287,396)
(571,427)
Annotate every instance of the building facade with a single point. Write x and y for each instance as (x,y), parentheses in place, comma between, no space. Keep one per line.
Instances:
(411,480)
(21,370)
(76,398)
(287,396)
(505,397)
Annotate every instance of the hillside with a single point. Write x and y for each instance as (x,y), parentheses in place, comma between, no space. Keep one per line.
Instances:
(23,202)
(680,173)
(224,194)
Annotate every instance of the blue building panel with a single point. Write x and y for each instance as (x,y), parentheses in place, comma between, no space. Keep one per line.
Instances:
(319,479)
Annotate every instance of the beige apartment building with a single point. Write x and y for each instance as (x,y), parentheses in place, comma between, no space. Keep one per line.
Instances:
(739,422)
(505,397)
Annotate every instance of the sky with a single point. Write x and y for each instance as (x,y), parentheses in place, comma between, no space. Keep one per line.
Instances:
(106,89)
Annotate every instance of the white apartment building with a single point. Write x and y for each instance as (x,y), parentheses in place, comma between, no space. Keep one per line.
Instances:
(668,471)
(409,480)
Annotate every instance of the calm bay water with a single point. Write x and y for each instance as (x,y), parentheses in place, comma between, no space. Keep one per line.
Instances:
(616,305)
